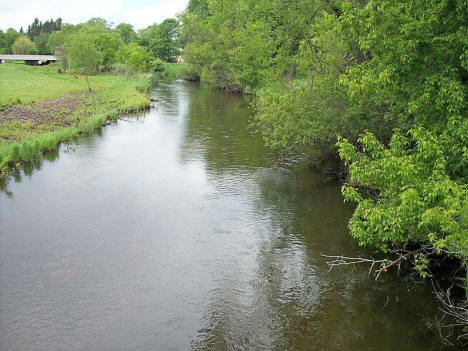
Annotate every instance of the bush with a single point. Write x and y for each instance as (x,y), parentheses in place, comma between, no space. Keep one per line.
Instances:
(135,57)
(22,45)
(189,72)
(158,65)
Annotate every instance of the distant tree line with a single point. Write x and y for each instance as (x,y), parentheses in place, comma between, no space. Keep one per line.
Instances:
(34,41)
(120,49)
(120,45)
(38,28)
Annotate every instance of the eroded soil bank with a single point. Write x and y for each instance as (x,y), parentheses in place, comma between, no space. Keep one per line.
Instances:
(36,115)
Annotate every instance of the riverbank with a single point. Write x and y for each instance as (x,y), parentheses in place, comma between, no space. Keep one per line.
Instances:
(170,72)
(40,107)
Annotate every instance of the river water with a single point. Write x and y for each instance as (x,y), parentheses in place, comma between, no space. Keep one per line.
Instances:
(173,232)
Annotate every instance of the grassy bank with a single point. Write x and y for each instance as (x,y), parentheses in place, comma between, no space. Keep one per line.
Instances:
(40,107)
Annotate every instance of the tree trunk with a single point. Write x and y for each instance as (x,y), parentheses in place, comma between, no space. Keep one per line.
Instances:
(466,282)
(87,81)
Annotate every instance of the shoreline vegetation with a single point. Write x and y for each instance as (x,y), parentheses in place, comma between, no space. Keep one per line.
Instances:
(382,86)
(42,106)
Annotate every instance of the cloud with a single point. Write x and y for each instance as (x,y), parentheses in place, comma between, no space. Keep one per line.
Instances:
(146,16)
(140,13)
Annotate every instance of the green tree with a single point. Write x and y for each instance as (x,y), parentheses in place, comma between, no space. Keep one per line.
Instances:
(4,48)
(418,179)
(98,22)
(309,113)
(10,37)
(34,29)
(199,7)
(136,57)
(22,45)
(57,41)
(42,43)
(162,39)
(106,41)
(37,28)
(244,45)
(58,38)
(127,33)
(82,55)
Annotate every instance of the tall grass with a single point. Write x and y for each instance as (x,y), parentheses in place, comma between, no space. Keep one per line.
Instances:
(170,72)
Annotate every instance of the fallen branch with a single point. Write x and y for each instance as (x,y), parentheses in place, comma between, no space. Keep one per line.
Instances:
(454,322)
(385,264)
(458,310)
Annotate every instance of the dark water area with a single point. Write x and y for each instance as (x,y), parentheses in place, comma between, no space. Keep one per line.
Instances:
(172,231)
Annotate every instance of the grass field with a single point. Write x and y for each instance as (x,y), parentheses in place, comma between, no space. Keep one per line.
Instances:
(32,83)
(40,107)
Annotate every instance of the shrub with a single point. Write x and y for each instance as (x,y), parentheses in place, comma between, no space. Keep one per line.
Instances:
(22,45)
(158,65)
(135,57)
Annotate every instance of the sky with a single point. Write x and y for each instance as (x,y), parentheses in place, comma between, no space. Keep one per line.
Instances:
(140,13)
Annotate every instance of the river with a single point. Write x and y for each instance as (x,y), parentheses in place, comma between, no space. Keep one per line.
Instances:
(172,231)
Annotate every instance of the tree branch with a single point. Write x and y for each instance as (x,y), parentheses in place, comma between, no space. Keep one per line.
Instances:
(385,264)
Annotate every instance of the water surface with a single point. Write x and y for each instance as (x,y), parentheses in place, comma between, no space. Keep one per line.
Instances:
(173,232)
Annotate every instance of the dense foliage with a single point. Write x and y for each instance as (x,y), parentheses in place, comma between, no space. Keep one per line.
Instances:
(381,83)
(120,48)
(162,39)
(7,39)
(22,46)
(39,33)
(416,74)
(37,28)
(135,56)
(127,33)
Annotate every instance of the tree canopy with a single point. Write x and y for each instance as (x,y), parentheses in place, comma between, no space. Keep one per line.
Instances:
(23,45)
(82,54)
(127,33)
(162,39)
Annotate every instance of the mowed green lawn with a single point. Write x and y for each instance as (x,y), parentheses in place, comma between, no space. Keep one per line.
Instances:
(32,83)
(22,84)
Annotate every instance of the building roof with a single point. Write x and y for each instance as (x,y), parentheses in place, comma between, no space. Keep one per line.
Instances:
(28,57)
